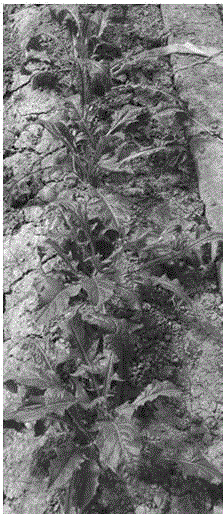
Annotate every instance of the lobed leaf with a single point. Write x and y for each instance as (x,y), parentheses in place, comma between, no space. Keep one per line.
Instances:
(130,296)
(156,389)
(27,373)
(60,252)
(117,442)
(150,393)
(189,48)
(84,82)
(105,288)
(73,10)
(99,365)
(126,115)
(64,130)
(177,254)
(81,395)
(114,166)
(113,207)
(47,288)
(76,328)
(171,285)
(141,242)
(220,276)
(90,286)
(146,56)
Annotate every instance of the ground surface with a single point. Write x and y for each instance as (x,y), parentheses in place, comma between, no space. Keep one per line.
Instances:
(169,195)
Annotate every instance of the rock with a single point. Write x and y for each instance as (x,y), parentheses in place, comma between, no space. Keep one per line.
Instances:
(48,193)
(8,510)
(20,253)
(26,21)
(201,88)
(33,214)
(17,461)
(218,509)
(22,163)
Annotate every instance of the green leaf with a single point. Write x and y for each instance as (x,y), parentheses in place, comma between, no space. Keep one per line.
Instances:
(118,442)
(116,166)
(107,142)
(76,111)
(145,153)
(105,288)
(147,56)
(47,288)
(75,326)
(57,394)
(106,322)
(156,389)
(129,296)
(66,134)
(113,209)
(150,393)
(62,468)
(126,115)
(34,412)
(113,166)
(99,365)
(110,376)
(90,286)
(171,285)
(185,249)
(59,131)
(58,305)
(194,463)
(104,22)
(28,374)
(219,265)
(209,238)
(81,395)
(141,242)
(74,12)
(98,288)
(189,48)
(60,252)
(168,112)
(83,82)
(83,486)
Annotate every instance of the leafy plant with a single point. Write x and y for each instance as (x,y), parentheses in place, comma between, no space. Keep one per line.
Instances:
(96,148)
(85,48)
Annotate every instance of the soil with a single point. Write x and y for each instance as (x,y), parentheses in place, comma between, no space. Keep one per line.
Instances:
(172,342)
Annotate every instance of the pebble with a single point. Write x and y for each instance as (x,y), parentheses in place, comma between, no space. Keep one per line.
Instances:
(218,509)
(29,425)
(48,193)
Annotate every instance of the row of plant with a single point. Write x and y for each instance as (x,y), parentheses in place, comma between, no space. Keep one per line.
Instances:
(97,296)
